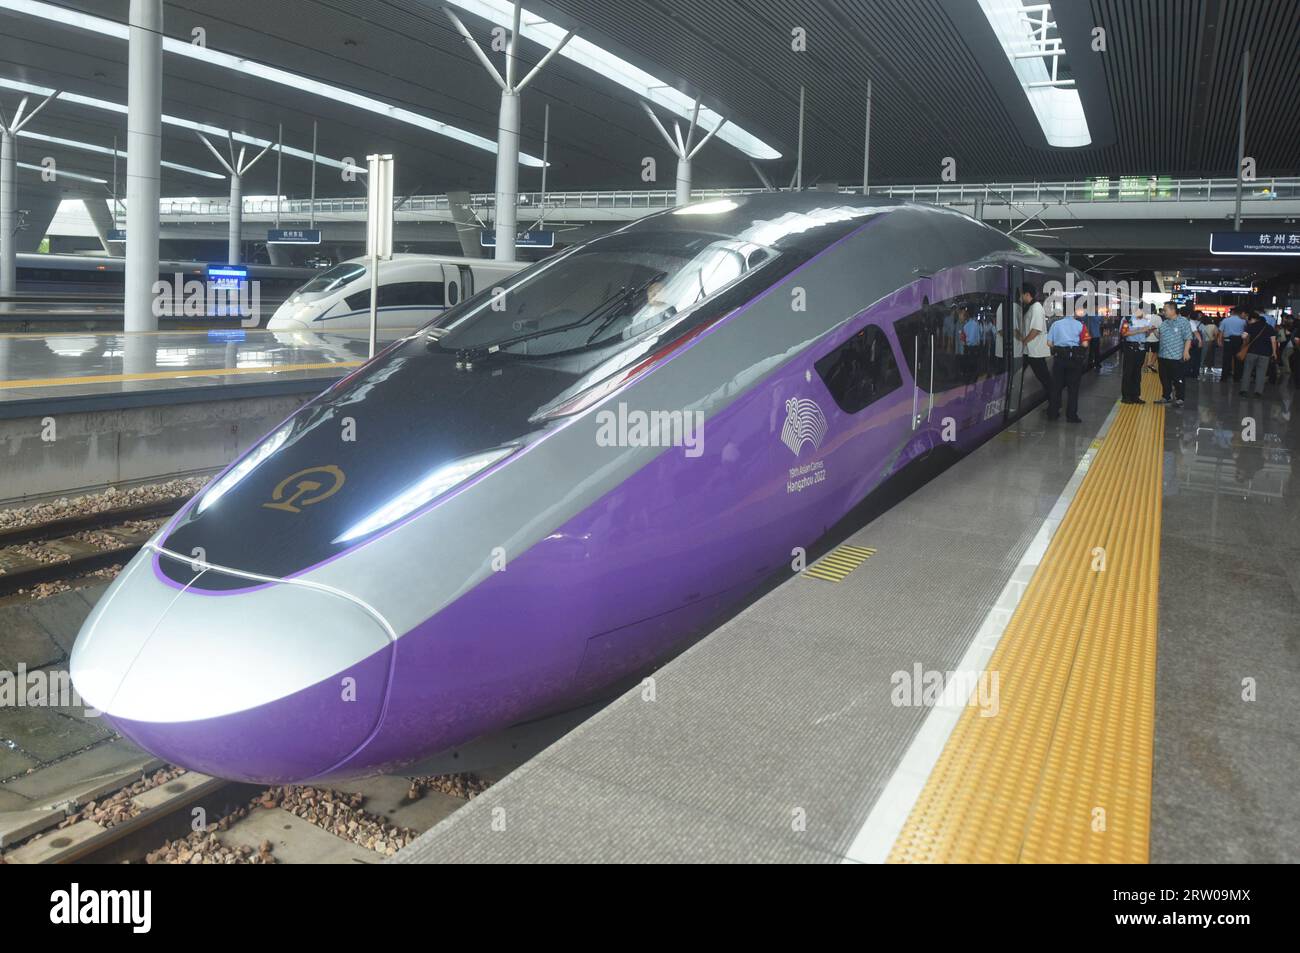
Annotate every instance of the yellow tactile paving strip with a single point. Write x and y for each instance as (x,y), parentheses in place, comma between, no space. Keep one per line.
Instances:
(171,375)
(1062,773)
(839,562)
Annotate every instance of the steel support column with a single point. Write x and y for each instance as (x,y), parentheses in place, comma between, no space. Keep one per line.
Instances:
(143,161)
(8,214)
(233,243)
(507,196)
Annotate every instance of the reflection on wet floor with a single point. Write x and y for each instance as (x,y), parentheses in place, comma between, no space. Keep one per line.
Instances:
(1242,447)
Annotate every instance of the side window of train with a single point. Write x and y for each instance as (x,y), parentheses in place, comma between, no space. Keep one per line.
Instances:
(961,331)
(403,294)
(411,294)
(861,370)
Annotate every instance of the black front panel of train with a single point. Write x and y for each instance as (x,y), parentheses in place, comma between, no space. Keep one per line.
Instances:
(354,450)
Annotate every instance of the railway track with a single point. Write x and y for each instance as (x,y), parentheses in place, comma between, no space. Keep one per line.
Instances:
(173,816)
(73,546)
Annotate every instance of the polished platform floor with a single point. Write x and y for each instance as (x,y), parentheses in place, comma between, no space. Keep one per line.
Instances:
(1117,731)
(1227,753)
(59,365)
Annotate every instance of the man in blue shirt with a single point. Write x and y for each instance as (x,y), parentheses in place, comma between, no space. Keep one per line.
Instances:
(1069,340)
(1175,347)
(1093,323)
(1231,329)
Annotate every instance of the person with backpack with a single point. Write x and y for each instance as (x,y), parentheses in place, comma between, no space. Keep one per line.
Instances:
(1258,351)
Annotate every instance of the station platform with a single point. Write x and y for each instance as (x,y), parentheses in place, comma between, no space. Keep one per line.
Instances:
(61,371)
(1041,655)
(140,407)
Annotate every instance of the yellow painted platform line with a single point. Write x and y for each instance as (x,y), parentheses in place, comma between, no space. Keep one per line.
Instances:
(170,375)
(838,563)
(1062,772)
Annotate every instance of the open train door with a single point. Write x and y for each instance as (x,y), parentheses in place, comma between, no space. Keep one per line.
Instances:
(1008,321)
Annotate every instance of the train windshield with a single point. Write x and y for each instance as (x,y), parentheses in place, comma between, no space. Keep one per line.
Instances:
(609,292)
(334,279)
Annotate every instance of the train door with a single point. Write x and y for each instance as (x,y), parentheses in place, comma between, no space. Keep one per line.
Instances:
(466,281)
(1008,343)
(451,285)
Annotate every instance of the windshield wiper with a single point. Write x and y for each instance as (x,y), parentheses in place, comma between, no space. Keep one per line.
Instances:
(611,305)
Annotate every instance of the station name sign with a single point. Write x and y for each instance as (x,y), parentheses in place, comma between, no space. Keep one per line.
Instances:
(293,236)
(1255,243)
(487,238)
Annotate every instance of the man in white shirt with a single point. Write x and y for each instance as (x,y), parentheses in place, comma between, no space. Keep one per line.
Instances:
(1032,333)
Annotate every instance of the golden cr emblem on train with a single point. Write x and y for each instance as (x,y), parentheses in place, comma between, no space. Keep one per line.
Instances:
(307,488)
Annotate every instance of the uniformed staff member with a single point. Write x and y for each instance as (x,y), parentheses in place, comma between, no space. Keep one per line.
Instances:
(1069,338)
(1133,341)
(1231,329)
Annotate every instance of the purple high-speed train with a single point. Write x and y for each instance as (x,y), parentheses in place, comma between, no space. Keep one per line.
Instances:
(557,483)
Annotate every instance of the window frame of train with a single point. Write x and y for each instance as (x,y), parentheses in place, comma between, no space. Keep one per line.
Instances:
(360,300)
(928,326)
(873,337)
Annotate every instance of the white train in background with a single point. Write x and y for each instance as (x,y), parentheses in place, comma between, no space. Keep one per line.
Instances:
(413,289)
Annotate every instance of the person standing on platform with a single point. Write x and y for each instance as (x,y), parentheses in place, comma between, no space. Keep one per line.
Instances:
(1209,344)
(1274,366)
(1069,339)
(1133,345)
(1261,342)
(1153,346)
(1175,335)
(1034,335)
(1093,323)
(1198,345)
(1230,331)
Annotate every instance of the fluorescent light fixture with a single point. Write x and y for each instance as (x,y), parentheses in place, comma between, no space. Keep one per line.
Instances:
(428,489)
(1059,109)
(106,151)
(121,31)
(245,466)
(105,104)
(64,175)
(588,54)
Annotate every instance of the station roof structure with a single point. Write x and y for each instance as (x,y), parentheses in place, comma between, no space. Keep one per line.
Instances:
(1155,102)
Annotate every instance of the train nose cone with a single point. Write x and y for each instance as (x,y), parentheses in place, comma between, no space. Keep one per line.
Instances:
(272,683)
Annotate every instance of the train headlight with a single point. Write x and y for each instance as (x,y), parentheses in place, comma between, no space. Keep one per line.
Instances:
(431,487)
(245,466)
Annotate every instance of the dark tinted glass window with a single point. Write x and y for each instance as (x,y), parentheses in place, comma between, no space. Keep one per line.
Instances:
(403,294)
(951,343)
(334,279)
(861,370)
